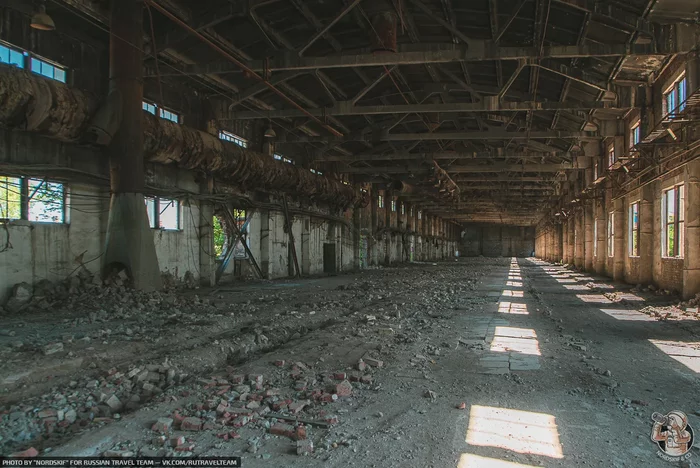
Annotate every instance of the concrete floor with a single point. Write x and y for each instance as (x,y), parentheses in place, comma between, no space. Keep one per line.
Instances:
(554,367)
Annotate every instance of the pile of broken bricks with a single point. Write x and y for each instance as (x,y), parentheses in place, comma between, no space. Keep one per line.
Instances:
(247,400)
(85,403)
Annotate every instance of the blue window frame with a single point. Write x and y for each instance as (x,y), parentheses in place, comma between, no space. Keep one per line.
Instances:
(11,56)
(40,67)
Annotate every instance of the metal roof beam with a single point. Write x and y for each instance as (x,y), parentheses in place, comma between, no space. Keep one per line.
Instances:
(475,50)
(487,104)
(473,135)
(444,155)
(461,169)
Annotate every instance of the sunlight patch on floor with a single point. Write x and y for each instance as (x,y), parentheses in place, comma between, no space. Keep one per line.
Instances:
(687,353)
(511,293)
(599,298)
(519,431)
(505,307)
(630,315)
(518,340)
(576,287)
(514,284)
(467,460)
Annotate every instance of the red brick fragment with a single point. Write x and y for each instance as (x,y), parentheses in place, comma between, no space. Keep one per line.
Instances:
(282,429)
(343,389)
(31,452)
(191,424)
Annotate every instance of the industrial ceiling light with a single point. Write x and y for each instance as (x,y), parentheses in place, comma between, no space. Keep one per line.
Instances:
(270,132)
(42,21)
(589,125)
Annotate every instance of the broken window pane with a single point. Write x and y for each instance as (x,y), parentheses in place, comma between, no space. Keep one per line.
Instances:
(151,211)
(169,214)
(46,201)
(10,197)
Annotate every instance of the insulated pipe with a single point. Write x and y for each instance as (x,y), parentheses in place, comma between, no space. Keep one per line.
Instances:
(30,102)
(42,105)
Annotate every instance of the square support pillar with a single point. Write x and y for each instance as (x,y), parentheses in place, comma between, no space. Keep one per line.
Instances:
(646,235)
(588,235)
(691,263)
(207,256)
(619,240)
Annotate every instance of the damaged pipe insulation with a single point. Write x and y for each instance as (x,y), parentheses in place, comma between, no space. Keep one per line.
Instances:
(444,184)
(29,102)
(43,106)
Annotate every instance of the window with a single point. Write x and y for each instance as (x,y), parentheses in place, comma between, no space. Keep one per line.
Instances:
(228,136)
(410,213)
(164,213)
(380,201)
(635,134)
(10,198)
(675,95)
(595,237)
(36,200)
(403,208)
(420,214)
(393,205)
(611,234)
(41,67)
(321,173)
(148,107)
(161,112)
(611,155)
(23,59)
(595,170)
(169,115)
(672,212)
(11,56)
(279,157)
(634,230)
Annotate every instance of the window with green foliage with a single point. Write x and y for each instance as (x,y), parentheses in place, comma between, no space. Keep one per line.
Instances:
(10,198)
(634,230)
(673,217)
(220,237)
(31,199)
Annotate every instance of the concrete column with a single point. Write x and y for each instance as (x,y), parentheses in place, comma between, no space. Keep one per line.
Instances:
(588,235)
(355,234)
(570,225)
(374,222)
(620,251)
(387,235)
(265,243)
(305,260)
(129,240)
(207,257)
(601,258)
(579,239)
(691,263)
(646,235)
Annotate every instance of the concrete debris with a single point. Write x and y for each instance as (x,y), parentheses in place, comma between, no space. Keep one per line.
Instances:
(21,296)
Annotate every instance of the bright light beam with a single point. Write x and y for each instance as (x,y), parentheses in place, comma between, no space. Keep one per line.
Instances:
(519,431)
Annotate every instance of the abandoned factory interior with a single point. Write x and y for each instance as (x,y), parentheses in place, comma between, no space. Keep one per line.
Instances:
(331,233)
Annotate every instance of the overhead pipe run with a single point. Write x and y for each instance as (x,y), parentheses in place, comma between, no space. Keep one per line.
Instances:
(33,103)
